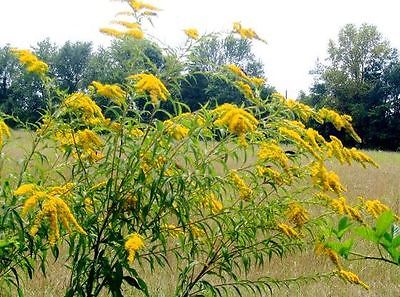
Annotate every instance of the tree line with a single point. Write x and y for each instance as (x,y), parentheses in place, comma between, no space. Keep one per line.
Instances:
(75,65)
(361,77)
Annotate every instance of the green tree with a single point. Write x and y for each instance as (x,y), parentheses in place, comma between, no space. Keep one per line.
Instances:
(352,81)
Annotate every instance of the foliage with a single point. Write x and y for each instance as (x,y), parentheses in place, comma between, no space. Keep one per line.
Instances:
(356,80)
(219,191)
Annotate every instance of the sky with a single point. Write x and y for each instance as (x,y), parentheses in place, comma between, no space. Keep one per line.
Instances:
(297,32)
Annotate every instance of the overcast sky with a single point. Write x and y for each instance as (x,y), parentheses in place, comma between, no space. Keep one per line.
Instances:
(297,31)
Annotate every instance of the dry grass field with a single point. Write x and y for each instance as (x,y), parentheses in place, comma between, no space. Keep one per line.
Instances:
(384,280)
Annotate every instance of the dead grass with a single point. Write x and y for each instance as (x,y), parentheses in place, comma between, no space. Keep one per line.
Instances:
(382,183)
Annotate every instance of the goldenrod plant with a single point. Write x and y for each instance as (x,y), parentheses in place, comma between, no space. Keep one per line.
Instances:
(217,191)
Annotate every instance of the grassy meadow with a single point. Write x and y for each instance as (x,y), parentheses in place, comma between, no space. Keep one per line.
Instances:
(383,279)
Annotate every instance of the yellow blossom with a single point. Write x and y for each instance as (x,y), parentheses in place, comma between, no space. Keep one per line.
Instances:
(31,62)
(113,92)
(192,33)
(177,131)
(139,5)
(213,203)
(245,89)
(148,83)
(172,229)
(136,132)
(297,214)
(246,33)
(132,245)
(333,256)
(90,112)
(327,180)
(112,32)
(245,192)
(237,71)
(238,120)
(288,230)
(352,278)
(375,207)
(340,206)
(271,152)
(4,131)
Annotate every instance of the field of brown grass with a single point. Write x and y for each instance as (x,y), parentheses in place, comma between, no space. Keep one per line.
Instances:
(383,279)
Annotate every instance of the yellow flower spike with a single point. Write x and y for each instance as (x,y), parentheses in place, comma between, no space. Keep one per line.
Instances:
(245,192)
(31,62)
(32,201)
(112,32)
(320,249)
(352,278)
(136,132)
(113,92)
(139,5)
(128,25)
(271,152)
(172,229)
(192,33)
(327,180)
(151,85)
(4,131)
(177,131)
(135,33)
(245,33)
(245,89)
(25,189)
(297,214)
(132,245)
(90,112)
(340,206)
(237,71)
(288,230)
(374,207)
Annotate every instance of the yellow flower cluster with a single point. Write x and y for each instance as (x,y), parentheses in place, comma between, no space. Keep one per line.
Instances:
(4,131)
(333,256)
(288,230)
(276,177)
(293,135)
(343,154)
(304,112)
(375,207)
(245,82)
(31,62)
(245,89)
(90,112)
(213,203)
(297,214)
(352,278)
(245,192)
(238,120)
(148,83)
(113,92)
(327,180)
(339,121)
(246,33)
(340,206)
(86,142)
(177,131)
(132,30)
(53,207)
(270,151)
(136,132)
(139,5)
(192,33)
(132,245)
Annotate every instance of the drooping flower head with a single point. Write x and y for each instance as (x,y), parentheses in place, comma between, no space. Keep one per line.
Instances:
(32,63)
(132,245)
(151,85)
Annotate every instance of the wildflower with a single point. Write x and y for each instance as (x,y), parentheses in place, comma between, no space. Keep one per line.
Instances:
(192,33)
(297,214)
(273,174)
(127,25)
(213,203)
(272,152)
(237,71)
(352,278)
(112,32)
(90,112)
(53,207)
(361,157)
(257,81)
(293,135)
(4,131)
(339,121)
(245,192)
(136,33)
(31,62)
(327,180)
(148,83)
(113,92)
(288,230)
(238,120)
(245,33)
(340,205)
(139,5)
(196,231)
(375,207)
(177,131)
(245,89)
(136,132)
(132,245)
(333,256)
(303,111)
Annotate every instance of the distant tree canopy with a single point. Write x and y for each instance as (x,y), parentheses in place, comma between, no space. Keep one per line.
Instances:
(76,64)
(361,77)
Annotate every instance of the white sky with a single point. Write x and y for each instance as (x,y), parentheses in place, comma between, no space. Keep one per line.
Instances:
(297,31)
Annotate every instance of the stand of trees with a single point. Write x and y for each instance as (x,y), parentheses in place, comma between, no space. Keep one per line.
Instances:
(361,77)
(76,65)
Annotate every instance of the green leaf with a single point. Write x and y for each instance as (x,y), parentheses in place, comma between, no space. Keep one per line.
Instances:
(383,222)
(367,233)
